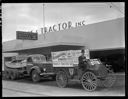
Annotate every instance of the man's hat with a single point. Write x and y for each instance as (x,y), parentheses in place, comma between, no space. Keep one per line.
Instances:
(82,51)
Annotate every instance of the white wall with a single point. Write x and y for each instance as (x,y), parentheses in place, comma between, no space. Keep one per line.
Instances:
(108,34)
(102,35)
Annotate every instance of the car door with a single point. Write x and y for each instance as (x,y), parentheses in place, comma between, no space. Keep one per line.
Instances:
(29,63)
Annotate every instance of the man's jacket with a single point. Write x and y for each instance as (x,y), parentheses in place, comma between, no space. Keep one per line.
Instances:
(81,61)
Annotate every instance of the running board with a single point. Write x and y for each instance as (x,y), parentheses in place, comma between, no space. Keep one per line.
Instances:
(47,73)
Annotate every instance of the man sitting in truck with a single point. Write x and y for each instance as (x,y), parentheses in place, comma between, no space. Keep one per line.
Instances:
(82,63)
(82,60)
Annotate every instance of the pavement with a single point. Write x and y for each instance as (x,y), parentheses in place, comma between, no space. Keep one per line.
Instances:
(48,88)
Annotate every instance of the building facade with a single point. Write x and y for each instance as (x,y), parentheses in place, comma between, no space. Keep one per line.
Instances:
(103,39)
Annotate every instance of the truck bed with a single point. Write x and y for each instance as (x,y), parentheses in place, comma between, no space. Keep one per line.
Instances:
(17,65)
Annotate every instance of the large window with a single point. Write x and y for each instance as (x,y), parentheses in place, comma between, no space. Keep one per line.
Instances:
(29,59)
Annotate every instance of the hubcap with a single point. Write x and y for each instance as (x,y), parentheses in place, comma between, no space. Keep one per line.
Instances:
(35,76)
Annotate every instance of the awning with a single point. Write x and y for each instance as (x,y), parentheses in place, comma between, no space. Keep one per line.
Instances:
(48,48)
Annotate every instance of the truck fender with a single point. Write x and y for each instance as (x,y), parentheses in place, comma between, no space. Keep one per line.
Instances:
(35,68)
(66,70)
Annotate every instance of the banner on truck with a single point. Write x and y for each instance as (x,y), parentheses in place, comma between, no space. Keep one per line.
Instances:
(67,58)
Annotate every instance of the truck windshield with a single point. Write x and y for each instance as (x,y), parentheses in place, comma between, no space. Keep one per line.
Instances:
(39,59)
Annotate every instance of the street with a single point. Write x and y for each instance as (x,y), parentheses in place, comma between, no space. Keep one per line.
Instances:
(47,87)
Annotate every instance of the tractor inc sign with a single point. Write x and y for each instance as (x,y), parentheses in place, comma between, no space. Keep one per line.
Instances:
(61,26)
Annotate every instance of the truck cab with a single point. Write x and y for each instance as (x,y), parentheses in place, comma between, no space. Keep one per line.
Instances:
(37,66)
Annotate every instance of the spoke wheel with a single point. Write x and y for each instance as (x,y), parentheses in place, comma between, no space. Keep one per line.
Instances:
(61,79)
(109,81)
(89,81)
(35,76)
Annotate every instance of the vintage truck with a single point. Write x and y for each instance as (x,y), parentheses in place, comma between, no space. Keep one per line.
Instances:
(63,67)
(66,68)
(34,66)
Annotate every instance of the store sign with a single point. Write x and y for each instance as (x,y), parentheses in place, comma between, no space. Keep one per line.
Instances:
(26,35)
(62,26)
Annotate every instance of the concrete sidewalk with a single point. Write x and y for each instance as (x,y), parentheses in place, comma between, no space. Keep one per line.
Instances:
(16,89)
(24,88)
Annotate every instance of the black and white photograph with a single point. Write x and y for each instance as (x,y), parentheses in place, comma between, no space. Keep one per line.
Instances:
(63,49)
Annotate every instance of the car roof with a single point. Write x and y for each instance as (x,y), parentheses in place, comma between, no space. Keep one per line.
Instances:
(35,55)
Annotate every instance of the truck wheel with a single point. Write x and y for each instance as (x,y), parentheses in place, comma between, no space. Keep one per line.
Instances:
(35,76)
(13,75)
(109,81)
(61,79)
(89,81)
(7,75)
(18,75)
(53,77)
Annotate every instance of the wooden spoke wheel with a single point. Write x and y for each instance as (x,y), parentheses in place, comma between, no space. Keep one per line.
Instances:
(35,76)
(109,80)
(89,81)
(13,75)
(61,79)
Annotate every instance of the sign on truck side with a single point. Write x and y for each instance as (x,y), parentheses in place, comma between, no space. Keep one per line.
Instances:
(67,58)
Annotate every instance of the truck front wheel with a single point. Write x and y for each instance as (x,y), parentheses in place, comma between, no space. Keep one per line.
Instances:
(89,81)
(35,76)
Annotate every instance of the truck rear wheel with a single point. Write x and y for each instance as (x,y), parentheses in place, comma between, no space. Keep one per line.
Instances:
(35,76)
(89,81)
(13,75)
(53,77)
(61,79)
(109,80)
(7,75)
